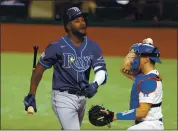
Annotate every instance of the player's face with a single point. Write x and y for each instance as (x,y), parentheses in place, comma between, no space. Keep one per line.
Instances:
(78,25)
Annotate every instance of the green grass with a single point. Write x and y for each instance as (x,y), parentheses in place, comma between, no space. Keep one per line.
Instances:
(15,79)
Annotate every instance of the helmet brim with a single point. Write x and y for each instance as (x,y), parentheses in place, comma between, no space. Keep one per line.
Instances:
(66,19)
(156,59)
(85,15)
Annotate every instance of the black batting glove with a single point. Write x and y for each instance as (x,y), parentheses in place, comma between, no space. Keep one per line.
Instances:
(29,100)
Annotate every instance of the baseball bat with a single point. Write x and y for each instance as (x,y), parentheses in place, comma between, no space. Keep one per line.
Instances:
(30,109)
(35,51)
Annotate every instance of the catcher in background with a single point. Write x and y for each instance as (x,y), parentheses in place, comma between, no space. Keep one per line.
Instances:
(146,95)
(125,69)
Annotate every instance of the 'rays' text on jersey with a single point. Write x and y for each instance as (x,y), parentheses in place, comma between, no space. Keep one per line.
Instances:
(79,64)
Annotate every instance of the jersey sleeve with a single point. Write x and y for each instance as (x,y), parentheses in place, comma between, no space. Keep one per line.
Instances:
(49,56)
(147,91)
(97,58)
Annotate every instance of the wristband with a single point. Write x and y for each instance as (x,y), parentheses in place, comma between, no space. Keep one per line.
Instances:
(127,115)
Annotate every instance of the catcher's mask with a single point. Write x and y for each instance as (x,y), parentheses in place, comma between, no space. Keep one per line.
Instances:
(143,50)
(73,13)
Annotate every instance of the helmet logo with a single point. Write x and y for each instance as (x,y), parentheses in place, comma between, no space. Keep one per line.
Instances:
(75,9)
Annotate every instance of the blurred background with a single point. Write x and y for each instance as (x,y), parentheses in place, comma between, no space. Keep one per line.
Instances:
(131,10)
(114,24)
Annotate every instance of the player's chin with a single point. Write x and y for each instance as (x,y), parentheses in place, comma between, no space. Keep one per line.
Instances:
(79,33)
(83,32)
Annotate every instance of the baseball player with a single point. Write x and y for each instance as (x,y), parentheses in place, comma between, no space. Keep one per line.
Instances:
(146,94)
(125,69)
(72,58)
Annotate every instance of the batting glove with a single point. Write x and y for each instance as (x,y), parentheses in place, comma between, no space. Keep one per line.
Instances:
(29,100)
(91,90)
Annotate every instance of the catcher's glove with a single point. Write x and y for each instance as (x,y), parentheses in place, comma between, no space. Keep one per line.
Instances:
(99,118)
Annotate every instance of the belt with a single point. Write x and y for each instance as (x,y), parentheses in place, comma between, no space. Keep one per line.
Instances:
(139,121)
(72,91)
(156,105)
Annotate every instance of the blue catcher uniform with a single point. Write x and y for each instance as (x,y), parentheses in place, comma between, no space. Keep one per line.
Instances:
(147,88)
(144,84)
(72,65)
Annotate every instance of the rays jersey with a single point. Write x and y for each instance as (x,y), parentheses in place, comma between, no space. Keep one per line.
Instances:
(148,89)
(72,64)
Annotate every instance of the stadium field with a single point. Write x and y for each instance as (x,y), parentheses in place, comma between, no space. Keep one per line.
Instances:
(15,79)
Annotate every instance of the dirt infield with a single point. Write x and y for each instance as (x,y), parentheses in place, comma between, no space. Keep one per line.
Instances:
(113,41)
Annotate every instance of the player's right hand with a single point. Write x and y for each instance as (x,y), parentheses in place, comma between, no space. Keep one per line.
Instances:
(29,100)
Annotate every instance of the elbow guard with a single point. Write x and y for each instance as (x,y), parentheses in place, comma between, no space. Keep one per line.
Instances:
(101,75)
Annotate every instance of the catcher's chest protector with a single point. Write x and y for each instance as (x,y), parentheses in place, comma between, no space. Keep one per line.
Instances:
(134,98)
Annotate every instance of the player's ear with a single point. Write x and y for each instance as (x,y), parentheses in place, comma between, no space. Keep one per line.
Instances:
(146,59)
(69,26)
(143,60)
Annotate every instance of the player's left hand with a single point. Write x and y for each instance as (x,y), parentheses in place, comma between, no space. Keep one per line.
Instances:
(91,89)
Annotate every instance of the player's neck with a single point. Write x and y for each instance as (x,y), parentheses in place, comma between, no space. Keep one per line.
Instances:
(76,39)
(147,68)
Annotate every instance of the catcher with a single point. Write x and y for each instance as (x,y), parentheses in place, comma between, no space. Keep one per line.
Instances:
(125,69)
(146,95)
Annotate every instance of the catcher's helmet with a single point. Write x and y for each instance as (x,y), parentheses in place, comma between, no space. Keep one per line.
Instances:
(147,50)
(73,13)
(143,50)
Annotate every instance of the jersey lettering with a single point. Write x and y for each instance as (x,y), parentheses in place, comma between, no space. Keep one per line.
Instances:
(145,95)
(79,64)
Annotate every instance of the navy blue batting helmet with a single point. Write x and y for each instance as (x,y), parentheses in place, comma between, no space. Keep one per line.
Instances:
(73,13)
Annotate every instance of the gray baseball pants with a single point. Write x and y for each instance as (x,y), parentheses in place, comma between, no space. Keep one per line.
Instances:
(69,109)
